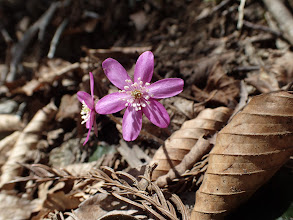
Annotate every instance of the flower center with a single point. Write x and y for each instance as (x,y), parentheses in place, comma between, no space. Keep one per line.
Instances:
(138,94)
(85,113)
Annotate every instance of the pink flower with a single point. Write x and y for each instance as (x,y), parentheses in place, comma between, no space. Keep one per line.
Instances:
(88,113)
(139,97)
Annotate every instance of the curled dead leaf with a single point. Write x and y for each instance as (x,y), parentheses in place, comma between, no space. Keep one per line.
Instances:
(248,152)
(182,141)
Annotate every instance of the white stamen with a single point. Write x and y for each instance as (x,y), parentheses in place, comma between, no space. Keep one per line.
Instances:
(85,113)
(146,97)
(147,84)
(126,87)
(143,105)
(139,78)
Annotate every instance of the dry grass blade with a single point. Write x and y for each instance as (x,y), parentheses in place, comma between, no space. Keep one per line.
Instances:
(134,181)
(40,170)
(248,152)
(161,197)
(177,201)
(152,198)
(153,212)
(171,208)
(128,200)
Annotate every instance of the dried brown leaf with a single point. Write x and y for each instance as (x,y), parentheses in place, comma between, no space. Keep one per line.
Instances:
(47,75)
(139,19)
(117,52)
(10,122)
(283,68)
(6,145)
(248,152)
(61,201)
(64,111)
(226,87)
(201,148)
(13,207)
(182,141)
(26,142)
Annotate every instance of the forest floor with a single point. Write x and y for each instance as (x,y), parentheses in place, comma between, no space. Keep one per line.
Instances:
(225,51)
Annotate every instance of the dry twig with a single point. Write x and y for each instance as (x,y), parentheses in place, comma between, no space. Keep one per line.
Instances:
(283,16)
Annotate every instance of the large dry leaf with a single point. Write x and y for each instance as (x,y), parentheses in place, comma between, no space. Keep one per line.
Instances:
(182,141)
(248,152)
(26,142)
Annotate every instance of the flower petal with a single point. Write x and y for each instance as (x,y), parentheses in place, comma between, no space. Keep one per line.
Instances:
(92,85)
(131,124)
(112,103)
(89,125)
(157,114)
(92,118)
(115,73)
(87,98)
(144,67)
(166,88)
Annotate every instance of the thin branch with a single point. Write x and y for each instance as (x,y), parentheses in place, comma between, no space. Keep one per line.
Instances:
(56,38)
(240,14)
(261,28)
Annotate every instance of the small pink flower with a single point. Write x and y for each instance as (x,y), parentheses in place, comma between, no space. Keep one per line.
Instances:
(139,97)
(88,113)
